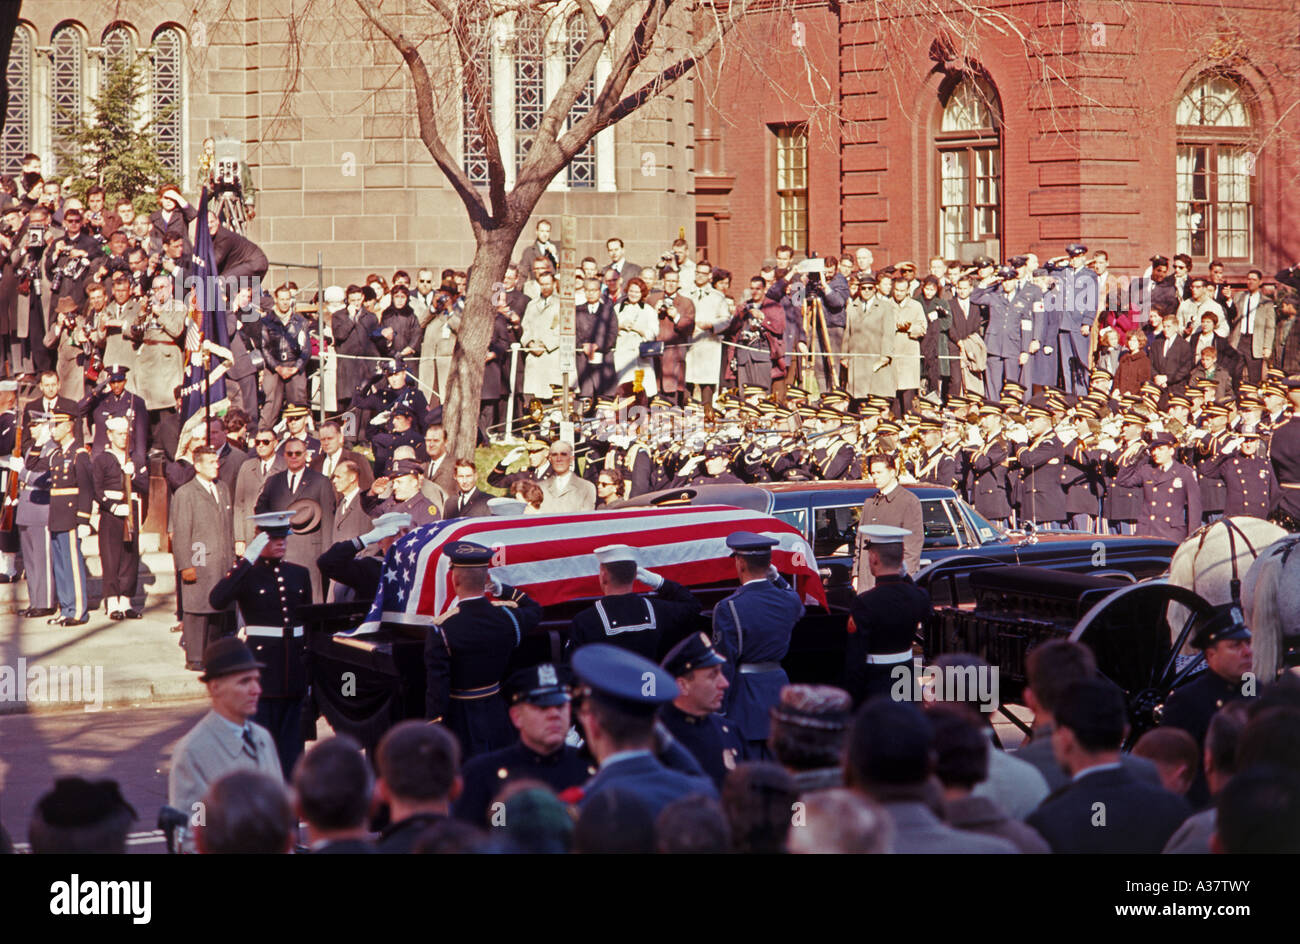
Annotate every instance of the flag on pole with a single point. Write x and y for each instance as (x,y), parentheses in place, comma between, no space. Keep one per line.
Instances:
(203,387)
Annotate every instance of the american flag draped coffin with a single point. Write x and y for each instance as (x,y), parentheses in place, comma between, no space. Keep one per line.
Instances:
(550,557)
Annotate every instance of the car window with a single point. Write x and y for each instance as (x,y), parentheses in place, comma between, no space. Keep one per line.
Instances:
(795,516)
(834,530)
(983,528)
(940,531)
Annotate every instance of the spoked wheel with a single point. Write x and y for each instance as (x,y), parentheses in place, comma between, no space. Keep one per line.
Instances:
(1128,633)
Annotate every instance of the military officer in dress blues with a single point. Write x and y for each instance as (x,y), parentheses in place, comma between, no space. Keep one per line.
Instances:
(751,629)
(885,621)
(1247,477)
(692,717)
(468,649)
(648,625)
(119,555)
(616,703)
(11,462)
(270,591)
(1172,497)
(72,495)
(1077,298)
(539,699)
(111,399)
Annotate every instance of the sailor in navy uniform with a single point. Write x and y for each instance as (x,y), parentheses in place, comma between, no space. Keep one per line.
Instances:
(751,629)
(885,621)
(119,557)
(72,495)
(468,649)
(692,717)
(111,399)
(1172,506)
(539,699)
(619,695)
(648,625)
(269,591)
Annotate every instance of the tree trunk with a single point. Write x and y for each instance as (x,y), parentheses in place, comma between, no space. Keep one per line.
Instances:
(460,412)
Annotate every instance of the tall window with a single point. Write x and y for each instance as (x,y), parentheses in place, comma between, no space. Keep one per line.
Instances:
(970,166)
(168,94)
(17,139)
(1214,169)
(530,89)
(473,150)
(119,48)
(792,186)
(582,169)
(66,98)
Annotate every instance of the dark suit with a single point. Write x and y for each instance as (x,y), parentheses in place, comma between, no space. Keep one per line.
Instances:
(473,505)
(355,338)
(365,471)
(231,460)
(303,549)
(1175,364)
(596,325)
(1139,818)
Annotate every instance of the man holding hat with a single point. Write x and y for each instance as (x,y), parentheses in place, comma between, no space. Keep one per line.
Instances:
(226,738)
(646,625)
(539,699)
(885,621)
(751,629)
(111,399)
(1172,497)
(692,717)
(113,471)
(1223,637)
(310,497)
(469,647)
(270,590)
(616,705)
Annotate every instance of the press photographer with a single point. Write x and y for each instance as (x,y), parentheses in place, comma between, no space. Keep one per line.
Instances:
(72,258)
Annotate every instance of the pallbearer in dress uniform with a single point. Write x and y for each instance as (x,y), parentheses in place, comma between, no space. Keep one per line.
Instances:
(539,698)
(1171,495)
(71,496)
(692,717)
(120,556)
(468,649)
(33,516)
(883,622)
(269,591)
(751,629)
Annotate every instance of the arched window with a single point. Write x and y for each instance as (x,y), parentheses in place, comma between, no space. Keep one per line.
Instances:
(17,139)
(582,169)
(969,150)
(530,90)
(167,84)
(119,47)
(67,55)
(1214,170)
(473,151)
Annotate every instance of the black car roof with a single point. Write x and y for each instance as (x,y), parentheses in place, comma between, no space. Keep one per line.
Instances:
(756,497)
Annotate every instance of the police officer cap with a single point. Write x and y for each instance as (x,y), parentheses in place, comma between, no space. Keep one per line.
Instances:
(394,365)
(1017,261)
(629,680)
(615,553)
(1164,439)
(1223,622)
(406,467)
(866,278)
(1075,249)
(295,409)
(882,534)
(983,262)
(693,652)
(749,544)
(403,410)
(1159,261)
(117,373)
(542,685)
(1006,272)
(116,424)
(469,554)
(274,523)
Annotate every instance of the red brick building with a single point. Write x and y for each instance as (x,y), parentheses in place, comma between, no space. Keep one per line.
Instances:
(1151,126)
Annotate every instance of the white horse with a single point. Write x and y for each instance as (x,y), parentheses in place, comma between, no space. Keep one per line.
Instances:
(1208,560)
(1270,602)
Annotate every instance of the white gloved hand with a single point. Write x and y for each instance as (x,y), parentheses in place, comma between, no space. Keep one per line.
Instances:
(386,526)
(83,531)
(513,456)
(256,546)
(772,573)
(13,463)
(129,468)
(494,585)
(118,508)
(649,578)
(692,464)
(381,418)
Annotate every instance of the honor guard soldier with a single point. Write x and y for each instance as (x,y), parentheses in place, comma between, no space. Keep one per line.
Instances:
(1247,476)
(72,495)
(751,629)
(407,497)
(885,621)
(362,574)
(539,700)
(468,649)
(11,450)
(33,515)
(111,399)
(616,703)
(692,717)
(1172,497)
(121,481)
(270,591)
(647,625)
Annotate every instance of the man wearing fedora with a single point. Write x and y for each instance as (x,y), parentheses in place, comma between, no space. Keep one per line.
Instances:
(226,738)
(311,497)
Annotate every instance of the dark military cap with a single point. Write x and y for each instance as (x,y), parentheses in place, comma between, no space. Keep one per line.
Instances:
(394,365)
(403,410)
(990,409)
(1250,403)
(1133,419)
(1017,261)
(797,393)
(469,554)
(889,428)
(717,451)
(1032,411)
(865,278)
(227,656)
(1006,273)
(622,677)
(821,707)
(749,544)
(693,652)
(1163,439)
(1223,622)
(542,685)
(116,373)
(295,409)
(1075,249)
(808,412)
(1216,409)
(407,467)
(983,262)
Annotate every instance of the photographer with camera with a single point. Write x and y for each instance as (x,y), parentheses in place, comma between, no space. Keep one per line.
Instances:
(156,335)
(29,247)
(72,259)
(676,326)
(172,218)
(755,323)
(678,259)
(69,338)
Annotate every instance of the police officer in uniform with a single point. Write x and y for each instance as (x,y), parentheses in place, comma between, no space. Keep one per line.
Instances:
(1172,497)
(751,630)
(1042,499)
(467,651)
(407,497)
(111,399)
(692,717)
(643,624)
(885,621)
(404,433)
(716,471)
(269,591)
(1247,478)
(539,698)
(396,390)
(120,557)
(72,495)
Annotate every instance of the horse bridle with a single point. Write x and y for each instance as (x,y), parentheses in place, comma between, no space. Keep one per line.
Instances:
(1233,529)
